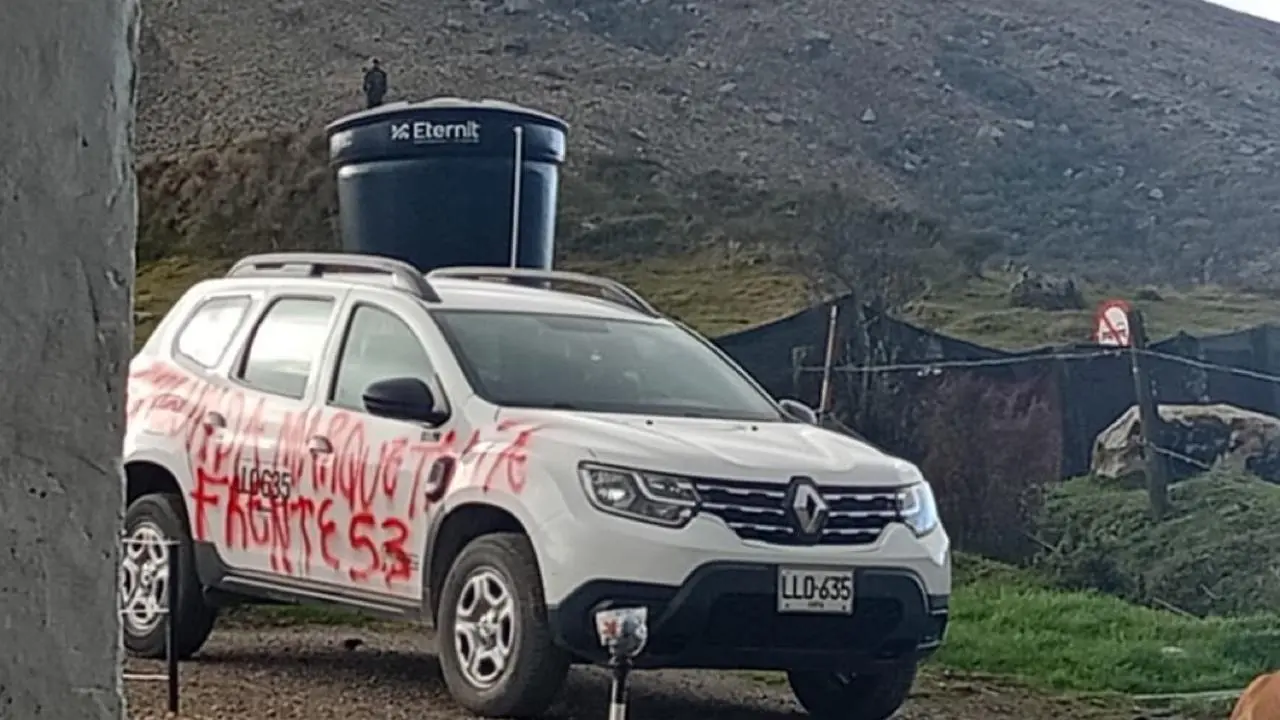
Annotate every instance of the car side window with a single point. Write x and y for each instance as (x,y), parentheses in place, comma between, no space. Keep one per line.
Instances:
(207,334)
(378,346)
(286,346)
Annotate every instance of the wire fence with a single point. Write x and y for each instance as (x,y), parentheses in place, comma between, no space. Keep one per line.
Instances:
(145,563)
(939,367)
(935,367)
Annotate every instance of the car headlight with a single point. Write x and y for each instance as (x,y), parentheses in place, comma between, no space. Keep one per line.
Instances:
(665,500)
(918,508)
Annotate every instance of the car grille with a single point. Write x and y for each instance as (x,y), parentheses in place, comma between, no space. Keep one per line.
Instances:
(756,511)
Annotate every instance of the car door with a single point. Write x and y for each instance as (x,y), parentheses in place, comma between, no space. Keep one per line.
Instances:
(386,474)
(248,505)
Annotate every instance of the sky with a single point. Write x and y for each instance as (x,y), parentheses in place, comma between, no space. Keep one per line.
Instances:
(1269,9)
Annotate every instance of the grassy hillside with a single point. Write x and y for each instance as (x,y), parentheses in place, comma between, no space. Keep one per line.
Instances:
(1120,139)
(709,247)
(717,296)
(979,311)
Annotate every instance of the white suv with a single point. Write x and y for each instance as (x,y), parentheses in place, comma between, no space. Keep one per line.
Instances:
(505,459)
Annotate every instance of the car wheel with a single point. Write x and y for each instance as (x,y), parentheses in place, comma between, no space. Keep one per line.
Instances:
(145,574)
(837,696)
(497,654)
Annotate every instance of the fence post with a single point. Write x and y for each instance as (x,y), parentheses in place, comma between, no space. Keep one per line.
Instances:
(172,549)
(171,624)
(1148,418)
(828,357)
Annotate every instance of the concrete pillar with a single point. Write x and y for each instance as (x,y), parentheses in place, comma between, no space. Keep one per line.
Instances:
(68,216)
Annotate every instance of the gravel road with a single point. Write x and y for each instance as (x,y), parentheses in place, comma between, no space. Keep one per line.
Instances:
(309,673)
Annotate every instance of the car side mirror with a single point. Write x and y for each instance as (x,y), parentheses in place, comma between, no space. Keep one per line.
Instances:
(799,411)
(403,399)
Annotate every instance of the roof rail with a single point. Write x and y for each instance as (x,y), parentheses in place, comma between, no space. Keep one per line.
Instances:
(313,264)
(612,290)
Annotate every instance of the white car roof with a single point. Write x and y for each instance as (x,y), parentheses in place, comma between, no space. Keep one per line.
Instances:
(457,293)
(460,294)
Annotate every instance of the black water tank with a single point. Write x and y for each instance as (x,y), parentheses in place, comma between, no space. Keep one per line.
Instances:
(435,182)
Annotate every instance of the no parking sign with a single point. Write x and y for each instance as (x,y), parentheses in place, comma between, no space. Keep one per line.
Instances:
(1111,324)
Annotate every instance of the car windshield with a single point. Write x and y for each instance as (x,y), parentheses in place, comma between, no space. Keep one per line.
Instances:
(598,365)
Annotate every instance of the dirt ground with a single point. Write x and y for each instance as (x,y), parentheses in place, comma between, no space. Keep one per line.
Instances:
(310,673)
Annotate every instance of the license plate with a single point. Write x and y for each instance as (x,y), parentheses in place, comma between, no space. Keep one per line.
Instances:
(813,590)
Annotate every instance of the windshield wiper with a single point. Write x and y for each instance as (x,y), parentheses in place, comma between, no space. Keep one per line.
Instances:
(545,405)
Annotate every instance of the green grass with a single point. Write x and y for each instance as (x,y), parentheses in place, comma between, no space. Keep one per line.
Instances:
(717,295)
(714,295)
(978,311)
(1088,642)
(159,285)
(1011,623)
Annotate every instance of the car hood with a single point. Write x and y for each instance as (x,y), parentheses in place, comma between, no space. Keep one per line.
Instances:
(728,449)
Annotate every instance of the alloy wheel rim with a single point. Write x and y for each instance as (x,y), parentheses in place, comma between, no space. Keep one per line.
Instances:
(144,578)
(484,628)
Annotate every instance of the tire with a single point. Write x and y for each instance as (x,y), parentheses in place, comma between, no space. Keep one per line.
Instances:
(535,667)
(151,517)
(833,696)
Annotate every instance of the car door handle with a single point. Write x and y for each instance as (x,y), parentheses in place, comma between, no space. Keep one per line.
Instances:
(319,445)
(215,421)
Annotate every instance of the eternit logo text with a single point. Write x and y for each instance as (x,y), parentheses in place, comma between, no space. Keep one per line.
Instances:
(421,132)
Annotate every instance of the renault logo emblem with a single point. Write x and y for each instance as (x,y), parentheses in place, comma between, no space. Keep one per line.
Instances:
(806,508)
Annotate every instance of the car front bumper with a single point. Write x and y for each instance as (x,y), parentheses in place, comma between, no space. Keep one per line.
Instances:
(724,616)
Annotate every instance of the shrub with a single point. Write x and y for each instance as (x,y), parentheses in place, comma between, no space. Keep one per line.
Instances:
(991,447)
(1217,554)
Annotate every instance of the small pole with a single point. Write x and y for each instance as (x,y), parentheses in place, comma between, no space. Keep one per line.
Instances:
(1148,418)
(624,632)
(827,360)
(515,195)
(171,627)
(618,693)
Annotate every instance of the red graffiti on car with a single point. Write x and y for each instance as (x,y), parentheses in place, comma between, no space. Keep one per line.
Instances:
(286,482)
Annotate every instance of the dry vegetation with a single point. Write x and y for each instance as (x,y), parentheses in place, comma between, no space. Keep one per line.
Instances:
(974,441)
(1123,138)
(706,248)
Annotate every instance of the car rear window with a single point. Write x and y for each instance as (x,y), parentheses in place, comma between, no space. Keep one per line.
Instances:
(207,334)
(287,344)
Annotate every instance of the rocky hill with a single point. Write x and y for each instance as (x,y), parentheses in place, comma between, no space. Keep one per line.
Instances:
(1125,139)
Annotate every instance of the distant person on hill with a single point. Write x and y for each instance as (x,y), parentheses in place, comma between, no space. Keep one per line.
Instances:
(375,84)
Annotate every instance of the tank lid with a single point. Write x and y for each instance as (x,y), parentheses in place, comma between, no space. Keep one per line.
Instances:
(400,108)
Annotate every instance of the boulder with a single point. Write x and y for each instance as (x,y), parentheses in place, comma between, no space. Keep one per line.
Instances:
(1045,292)
(1203,435)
